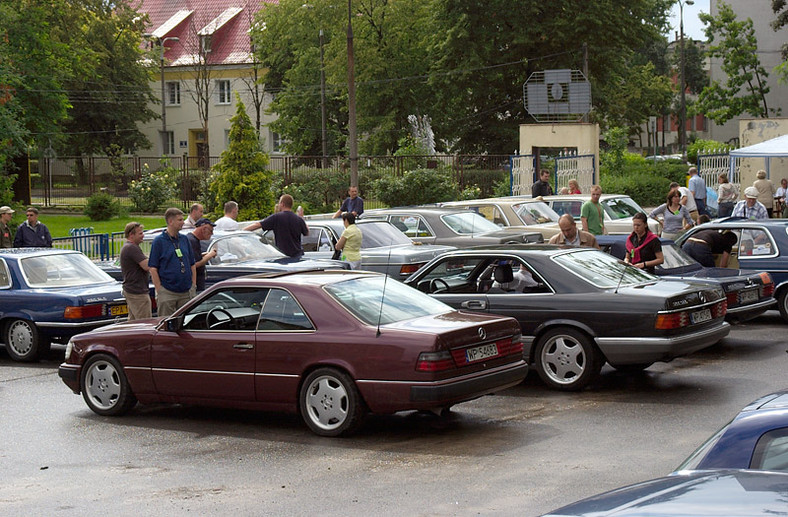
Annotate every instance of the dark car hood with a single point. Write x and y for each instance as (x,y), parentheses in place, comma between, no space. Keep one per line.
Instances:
(700,493)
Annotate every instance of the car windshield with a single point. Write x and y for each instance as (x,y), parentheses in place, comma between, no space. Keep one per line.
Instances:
(362,298)
(602,270)
(242,247)
(62,270)
(469,223)
(621,207)
(535,213)
(383,233)
(675,257)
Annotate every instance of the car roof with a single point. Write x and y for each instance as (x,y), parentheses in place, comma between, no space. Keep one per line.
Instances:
(562,197)
(418,209)
(743,221)
(518,249)
(777,400)
(317,277)
(505,200)
(33,252)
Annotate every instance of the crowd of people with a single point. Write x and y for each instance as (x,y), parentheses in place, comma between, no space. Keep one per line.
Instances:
(176,264)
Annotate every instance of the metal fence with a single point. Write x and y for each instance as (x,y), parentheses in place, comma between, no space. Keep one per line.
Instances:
(69,181)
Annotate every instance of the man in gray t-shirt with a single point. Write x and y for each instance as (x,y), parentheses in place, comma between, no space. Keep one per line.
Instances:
(134,266)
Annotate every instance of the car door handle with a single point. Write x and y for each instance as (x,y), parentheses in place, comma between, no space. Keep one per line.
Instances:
(243,346)
(474,304)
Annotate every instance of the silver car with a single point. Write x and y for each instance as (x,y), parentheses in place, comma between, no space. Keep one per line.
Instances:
(384,248)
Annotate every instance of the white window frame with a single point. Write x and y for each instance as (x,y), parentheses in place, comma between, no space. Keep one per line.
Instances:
(223,91)
(172,93)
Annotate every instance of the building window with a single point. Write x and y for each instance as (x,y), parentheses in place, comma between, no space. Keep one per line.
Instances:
(276,142)
(223,91)
(205,43)
(169,142)
(172,91)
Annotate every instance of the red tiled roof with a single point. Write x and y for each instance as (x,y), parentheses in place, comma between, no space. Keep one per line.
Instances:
(227,20)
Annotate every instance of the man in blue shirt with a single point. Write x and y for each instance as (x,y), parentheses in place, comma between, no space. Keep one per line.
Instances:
(697,187)
(32,233)
(352,204)
(171,264)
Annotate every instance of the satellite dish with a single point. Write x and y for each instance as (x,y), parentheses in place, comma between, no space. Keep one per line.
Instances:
(557,95)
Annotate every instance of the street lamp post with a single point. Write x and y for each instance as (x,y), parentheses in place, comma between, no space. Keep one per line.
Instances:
(161,42)
(323,104)
(683,109)
(351,100)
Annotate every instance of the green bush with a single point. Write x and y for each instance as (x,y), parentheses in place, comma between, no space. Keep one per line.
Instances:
(503,187)
(151,191)
(485,180)
(706,146)
(416,187)
(102,206)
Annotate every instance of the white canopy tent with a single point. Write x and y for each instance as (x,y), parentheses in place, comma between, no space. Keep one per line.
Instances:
(774,148)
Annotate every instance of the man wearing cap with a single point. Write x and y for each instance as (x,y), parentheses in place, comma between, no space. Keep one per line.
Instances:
(750,207)
(32,233)
(6,213)
(203,229)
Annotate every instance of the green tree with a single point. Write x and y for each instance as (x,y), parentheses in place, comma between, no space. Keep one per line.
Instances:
(780,8)
(241,174)
(641,94)
(113,93)
(745,88)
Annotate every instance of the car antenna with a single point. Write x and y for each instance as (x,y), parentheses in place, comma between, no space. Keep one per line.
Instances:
(623,272)
(383,293)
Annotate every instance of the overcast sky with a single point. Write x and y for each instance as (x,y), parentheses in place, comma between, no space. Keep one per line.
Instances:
(693,27)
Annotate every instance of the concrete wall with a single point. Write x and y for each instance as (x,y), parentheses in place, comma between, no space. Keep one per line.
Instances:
(584,137)
(754,131)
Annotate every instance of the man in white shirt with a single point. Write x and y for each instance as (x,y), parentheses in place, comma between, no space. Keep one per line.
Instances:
(228,223)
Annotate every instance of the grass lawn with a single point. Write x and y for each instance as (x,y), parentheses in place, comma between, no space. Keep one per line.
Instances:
(60,224)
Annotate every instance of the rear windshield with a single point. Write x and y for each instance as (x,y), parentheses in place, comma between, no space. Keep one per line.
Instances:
(62,270)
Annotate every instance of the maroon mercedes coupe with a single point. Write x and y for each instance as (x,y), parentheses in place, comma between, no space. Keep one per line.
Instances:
(332,345)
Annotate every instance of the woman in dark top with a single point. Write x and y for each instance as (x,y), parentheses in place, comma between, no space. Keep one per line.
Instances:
(644,251)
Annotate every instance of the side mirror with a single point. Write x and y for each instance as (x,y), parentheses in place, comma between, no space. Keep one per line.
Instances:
(174,324)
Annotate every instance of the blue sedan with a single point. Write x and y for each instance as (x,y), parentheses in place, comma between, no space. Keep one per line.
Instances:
(762,246)
(51,295)
(757,438)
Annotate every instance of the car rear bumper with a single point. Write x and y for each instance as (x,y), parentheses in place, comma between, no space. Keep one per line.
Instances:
(745,312)
(388,397)
(638,350)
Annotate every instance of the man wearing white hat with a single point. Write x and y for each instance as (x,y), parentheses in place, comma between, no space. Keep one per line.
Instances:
(750,207)
(6,213)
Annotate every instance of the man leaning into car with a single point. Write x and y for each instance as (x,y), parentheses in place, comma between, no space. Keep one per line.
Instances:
(134,266)
(171,265)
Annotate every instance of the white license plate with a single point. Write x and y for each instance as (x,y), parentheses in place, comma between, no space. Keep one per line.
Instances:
(481,352)
(701,316)
(748,296)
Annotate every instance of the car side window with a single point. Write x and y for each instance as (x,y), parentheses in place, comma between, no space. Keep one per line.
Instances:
(755,242)
(567,207)
(491,213)
(311,242)
(411,225)
(229,309)
(455,272)
(282,312)
(771,451)
(5,276)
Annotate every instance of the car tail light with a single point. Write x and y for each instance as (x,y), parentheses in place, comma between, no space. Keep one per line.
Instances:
(767,289)
(84,311)
(434,361)
(672,321)
(732,298)
(408,269)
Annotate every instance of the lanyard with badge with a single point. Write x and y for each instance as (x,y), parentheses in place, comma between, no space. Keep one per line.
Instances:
(178,252)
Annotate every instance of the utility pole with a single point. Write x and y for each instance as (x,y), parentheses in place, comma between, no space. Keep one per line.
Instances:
(351,100)
(323,104)
(683,109)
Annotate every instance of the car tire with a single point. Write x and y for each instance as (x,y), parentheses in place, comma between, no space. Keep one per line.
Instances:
(782,302)
(22,340)
(330,403)
(104,386)
(567,359)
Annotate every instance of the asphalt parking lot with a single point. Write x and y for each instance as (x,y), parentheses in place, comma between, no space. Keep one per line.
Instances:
(522,452)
